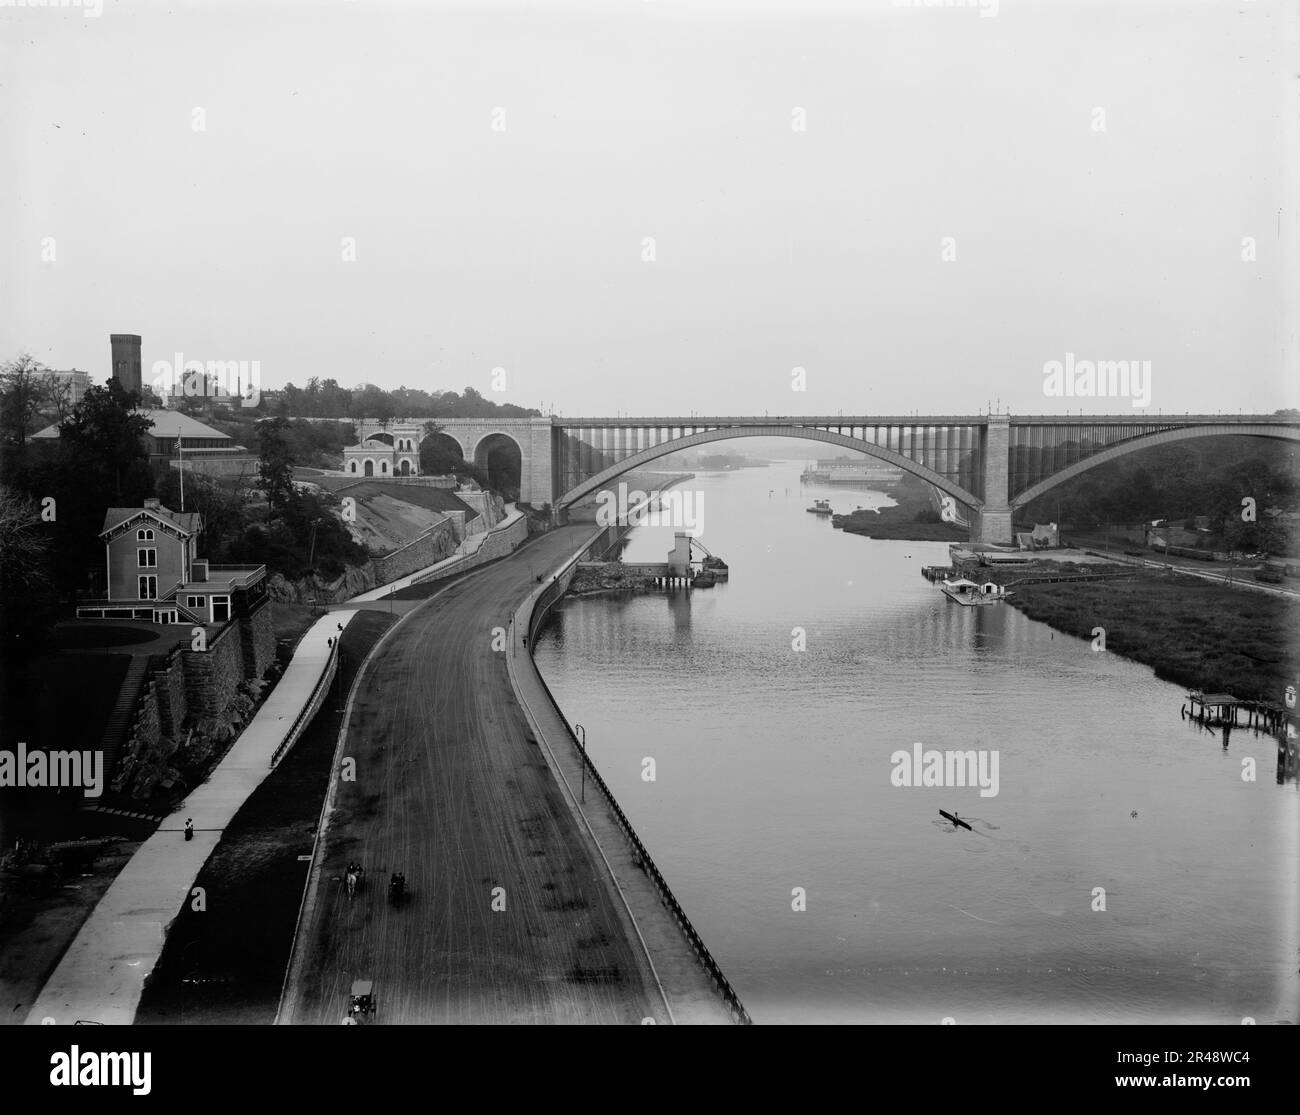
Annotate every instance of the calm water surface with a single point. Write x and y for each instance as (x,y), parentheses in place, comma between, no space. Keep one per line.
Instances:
(773,773)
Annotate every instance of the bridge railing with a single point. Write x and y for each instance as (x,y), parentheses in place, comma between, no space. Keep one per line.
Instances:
(544,602)
(310,709)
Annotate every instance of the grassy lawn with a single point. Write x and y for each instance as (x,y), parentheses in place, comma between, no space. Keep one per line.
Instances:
(291,621)
(75,696)
(1192,632)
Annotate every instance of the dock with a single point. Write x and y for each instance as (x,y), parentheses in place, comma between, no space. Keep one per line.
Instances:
(1218,710)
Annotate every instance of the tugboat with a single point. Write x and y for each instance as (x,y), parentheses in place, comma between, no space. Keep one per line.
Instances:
(821,507)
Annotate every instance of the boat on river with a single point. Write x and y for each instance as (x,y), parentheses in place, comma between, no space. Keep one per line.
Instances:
(969,594)
(821,507)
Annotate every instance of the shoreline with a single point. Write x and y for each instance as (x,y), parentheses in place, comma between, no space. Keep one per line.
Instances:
(1194,633)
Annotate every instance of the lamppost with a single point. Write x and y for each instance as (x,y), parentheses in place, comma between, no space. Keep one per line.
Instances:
(582,734)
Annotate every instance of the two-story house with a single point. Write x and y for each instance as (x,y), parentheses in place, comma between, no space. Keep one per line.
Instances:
(152,571)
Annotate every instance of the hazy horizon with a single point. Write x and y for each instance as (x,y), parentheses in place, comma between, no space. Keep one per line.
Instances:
(498,168)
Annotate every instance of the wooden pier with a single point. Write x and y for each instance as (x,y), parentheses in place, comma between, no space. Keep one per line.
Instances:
(1218,710)
(946,572)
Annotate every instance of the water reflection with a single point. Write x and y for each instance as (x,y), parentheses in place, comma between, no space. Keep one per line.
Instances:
(773,772)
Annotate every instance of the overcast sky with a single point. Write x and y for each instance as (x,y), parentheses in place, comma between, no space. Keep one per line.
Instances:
(518,240)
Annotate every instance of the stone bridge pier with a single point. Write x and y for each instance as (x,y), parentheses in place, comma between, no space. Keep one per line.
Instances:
(992,521)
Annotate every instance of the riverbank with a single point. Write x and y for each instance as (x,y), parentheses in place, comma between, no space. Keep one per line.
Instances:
(609,576)
(913,518)
(1192,632)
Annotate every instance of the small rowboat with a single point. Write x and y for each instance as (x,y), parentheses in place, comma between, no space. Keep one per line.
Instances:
(955,820)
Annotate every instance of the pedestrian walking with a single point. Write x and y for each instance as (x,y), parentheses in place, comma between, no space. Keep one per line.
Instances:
(189,828)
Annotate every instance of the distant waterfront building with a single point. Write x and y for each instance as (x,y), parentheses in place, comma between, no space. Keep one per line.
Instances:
(77,382)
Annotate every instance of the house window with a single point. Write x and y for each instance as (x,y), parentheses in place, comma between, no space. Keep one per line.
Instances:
(148,559)
(148,588)
(144,536)
(195,602)
(220,609)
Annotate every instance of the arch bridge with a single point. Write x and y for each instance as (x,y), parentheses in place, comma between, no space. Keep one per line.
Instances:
(992,463)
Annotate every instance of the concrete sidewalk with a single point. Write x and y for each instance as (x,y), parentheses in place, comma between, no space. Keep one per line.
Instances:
(102,975)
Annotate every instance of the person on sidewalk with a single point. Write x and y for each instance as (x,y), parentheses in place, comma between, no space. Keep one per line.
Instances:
(189,828)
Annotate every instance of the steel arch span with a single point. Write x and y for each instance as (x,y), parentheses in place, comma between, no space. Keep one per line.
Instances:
(703,437)
(1148,441)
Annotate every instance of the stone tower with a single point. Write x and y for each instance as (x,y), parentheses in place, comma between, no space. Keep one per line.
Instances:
(126,360)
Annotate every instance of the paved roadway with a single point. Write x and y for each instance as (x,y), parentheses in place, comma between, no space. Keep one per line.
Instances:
(449,790)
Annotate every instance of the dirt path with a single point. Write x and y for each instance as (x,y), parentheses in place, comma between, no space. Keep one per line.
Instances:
(450,791)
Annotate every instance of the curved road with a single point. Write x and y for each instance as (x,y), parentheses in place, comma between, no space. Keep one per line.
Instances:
(450,791)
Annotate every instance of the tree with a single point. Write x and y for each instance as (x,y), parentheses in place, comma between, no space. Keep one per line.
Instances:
(27,596)
(220,503)
(58,397)
(275,468)
(22,396)
(106,431)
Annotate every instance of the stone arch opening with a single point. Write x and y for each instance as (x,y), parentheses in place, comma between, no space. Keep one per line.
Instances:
(370,467)
(440,454)
(500,457)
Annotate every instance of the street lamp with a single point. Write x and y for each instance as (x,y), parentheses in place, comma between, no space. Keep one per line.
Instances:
(583,741)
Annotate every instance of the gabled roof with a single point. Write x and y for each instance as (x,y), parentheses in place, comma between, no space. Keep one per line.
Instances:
(187,522)
(166,423)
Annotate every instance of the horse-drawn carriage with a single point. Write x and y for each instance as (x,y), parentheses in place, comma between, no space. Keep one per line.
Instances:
(361,1006)
(396,889)
(352,879)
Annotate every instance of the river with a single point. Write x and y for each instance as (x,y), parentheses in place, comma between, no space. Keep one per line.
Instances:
(772,775)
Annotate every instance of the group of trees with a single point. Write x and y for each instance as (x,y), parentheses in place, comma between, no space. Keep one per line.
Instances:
(326,399)
(55,493)
(1204,478)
